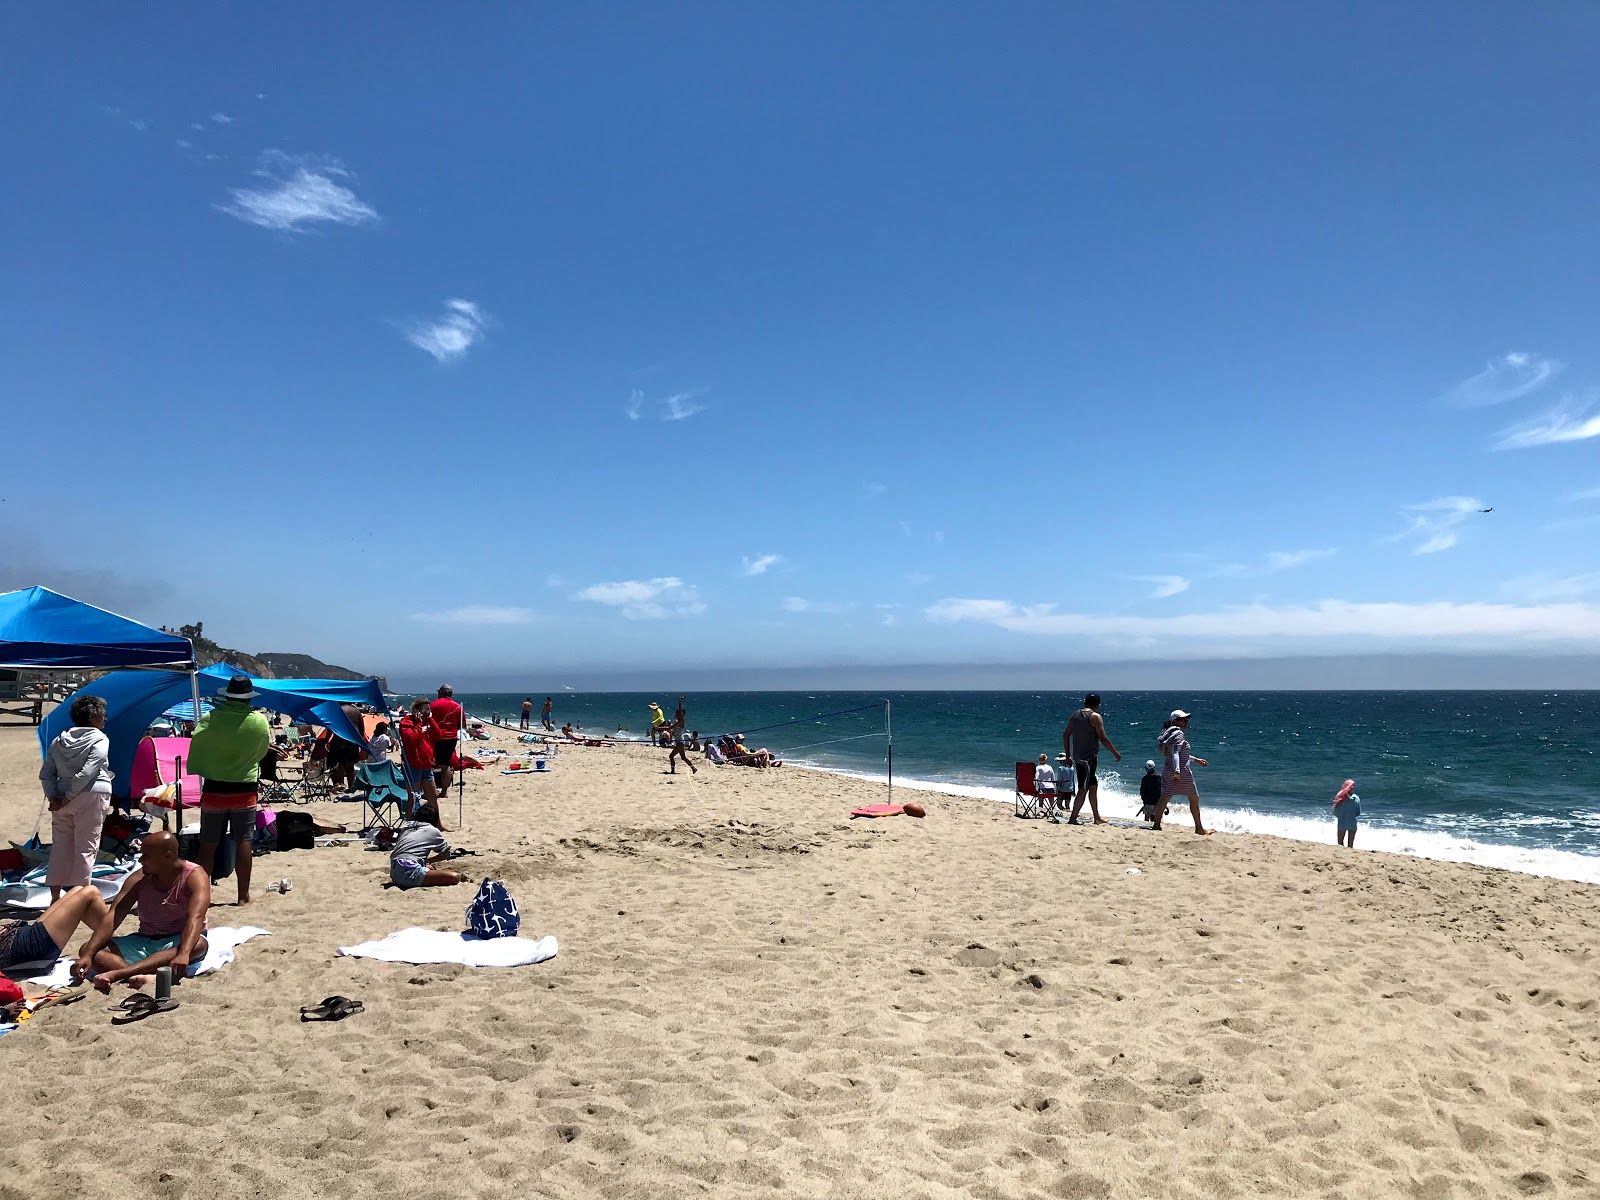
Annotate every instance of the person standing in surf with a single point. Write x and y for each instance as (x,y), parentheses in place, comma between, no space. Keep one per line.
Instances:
(1084,735)
(1347,814)
(1177,778)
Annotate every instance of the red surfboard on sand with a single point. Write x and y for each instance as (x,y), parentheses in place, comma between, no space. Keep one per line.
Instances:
(878,810)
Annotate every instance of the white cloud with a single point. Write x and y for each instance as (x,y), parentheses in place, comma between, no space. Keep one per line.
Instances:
(1574,420)
(875,489)
(1508,377)
(300,191)
(1283,560)
(1165,585)
(905,528)
(647,599)
(1326,619)
(478,614)
(222,118)
(938,535)
(452,333)
(759,565)
(1542,588)
(1433,525)
(1277,560)
(116,114)
(680,406)
(797,604)
(1584,495)
(918,578)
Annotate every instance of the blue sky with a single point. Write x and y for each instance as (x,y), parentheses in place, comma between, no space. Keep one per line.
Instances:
(505,338)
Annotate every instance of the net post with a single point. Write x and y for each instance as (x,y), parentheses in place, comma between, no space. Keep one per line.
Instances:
(888,729)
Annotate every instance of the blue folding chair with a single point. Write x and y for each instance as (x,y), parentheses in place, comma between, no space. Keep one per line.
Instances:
(384,789)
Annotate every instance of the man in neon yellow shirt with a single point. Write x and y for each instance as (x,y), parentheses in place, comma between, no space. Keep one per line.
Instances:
(226,752)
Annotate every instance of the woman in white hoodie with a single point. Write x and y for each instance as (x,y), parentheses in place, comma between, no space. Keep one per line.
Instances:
(77,781)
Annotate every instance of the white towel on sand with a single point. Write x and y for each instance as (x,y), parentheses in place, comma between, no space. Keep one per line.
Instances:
(434,946)
(220,943)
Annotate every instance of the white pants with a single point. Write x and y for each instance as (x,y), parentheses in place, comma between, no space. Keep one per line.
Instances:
(75,838)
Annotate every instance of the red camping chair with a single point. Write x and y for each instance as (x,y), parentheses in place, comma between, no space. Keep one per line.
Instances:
(1026,801)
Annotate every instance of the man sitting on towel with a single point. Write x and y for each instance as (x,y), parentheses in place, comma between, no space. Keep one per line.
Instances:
(172,896)
(43,941)
(418,848)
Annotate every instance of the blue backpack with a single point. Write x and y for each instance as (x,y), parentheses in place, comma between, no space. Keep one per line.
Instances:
(493,913)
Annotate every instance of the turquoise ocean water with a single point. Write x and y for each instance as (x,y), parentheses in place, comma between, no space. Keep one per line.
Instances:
(1502,779)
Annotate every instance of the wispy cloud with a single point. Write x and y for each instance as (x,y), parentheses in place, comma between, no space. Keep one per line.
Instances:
(874,489)
(1508,377)
(300,191)
(647,599)
(1543,588)
(452,333)
(478,614)
(1584,495)
(1277,560)
(760,564)
(679,406)
(1434,525)
(1573,420)
(1283,560)
(1165,585)
(1326,619)
(116,114)
(221,118)
(798,604)
(918,578)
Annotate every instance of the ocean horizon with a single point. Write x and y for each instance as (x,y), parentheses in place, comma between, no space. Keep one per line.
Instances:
(1500,779)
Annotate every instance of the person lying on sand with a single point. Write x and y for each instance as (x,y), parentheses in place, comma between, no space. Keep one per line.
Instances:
(418,848)
(44,939)
(172,897)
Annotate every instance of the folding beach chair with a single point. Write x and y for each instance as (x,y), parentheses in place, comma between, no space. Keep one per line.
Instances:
(1026,801)
(384,790)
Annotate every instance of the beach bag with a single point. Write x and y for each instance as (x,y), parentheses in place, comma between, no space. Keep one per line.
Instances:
(493,913)
(296,830)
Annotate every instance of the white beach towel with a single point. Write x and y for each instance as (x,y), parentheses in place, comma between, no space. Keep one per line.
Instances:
(424,946)
(220,942)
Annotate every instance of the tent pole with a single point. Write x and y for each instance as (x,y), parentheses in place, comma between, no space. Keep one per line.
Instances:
(888,729)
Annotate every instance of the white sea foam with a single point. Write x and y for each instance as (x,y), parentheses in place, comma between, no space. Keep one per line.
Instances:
(1374,834)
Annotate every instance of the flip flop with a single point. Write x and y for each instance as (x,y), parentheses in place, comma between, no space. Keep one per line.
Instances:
(139,1006)
(334,1008)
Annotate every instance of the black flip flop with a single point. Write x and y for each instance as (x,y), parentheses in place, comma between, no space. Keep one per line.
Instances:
(139,1006)
(334,1008)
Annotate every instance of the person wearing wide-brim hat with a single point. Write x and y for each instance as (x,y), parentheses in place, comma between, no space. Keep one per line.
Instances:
(226,752)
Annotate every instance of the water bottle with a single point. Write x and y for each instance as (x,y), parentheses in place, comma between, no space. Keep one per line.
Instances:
(163,982)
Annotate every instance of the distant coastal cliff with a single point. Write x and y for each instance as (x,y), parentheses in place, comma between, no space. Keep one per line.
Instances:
(274,665)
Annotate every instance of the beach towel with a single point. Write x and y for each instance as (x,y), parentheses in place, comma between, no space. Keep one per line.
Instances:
(221,943)
(426,946)
(878,810)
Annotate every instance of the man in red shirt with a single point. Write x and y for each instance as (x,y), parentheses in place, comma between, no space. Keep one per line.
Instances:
(445,714)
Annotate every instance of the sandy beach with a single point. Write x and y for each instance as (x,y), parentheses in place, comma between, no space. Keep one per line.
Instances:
(758,996)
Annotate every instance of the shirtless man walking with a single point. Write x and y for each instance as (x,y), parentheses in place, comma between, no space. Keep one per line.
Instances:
(1084,735)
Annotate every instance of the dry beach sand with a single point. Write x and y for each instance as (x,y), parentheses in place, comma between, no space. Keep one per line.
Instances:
(758,997)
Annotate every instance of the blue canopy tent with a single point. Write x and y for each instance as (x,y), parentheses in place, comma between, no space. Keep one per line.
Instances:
(136,698)
(42,629)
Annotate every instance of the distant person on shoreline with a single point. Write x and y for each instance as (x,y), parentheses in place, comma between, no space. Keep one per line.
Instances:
(547,715)
(1066,782)
(1178,779)
(527,713)
(1347,814)
(1084,735)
